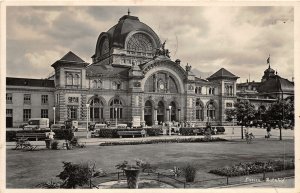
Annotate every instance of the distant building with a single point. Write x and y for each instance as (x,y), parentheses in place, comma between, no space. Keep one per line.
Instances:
(131,77)
(271,88)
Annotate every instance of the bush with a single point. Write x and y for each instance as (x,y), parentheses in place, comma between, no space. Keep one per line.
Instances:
(153,131)
(74,175)
(155,141)
(191,130)
(253,168)
(54,145)
(189,172)
(220,129)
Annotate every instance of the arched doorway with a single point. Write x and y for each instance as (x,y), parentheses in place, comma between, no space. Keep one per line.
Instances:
(173,111)
(96,110)
(160,112)
(148,113)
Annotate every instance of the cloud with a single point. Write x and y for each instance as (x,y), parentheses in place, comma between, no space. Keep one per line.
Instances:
(209,38)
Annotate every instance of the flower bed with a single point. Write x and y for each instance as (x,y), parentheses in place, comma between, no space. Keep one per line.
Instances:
(254,168)
(154,141)
(199,130)
(113,133)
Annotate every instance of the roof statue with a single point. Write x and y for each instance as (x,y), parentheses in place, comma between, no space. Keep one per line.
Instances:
(162,51)
(188,67)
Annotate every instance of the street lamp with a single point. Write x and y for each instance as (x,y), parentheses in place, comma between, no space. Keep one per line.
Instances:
(170,107)
(54,114)
(87,120)
(116,116)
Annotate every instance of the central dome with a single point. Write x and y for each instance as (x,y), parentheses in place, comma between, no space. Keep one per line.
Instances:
(127,24)
(129,35)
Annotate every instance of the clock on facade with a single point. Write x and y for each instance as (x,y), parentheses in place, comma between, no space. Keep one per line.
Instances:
(161,86)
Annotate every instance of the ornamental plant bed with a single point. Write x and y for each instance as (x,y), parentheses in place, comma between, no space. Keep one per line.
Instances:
(113,133)
(254,168)
(154,141)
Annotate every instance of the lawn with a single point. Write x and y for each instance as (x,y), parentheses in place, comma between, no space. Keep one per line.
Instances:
(26,169)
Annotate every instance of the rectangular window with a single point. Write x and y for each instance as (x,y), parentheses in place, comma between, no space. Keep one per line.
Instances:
(44,100)
(27,98)
(26,114)
(73,113)
(8,97)
(44,113)
(9,113)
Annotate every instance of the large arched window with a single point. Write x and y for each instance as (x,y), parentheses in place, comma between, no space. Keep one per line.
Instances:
(199,110)
(211,111)
(94,84)
(140,44)
(116,109)
(96,109)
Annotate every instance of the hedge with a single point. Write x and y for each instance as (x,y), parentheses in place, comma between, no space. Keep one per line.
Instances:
(254,168)
(198,130)
(59,133)
(113,133)
(155,141)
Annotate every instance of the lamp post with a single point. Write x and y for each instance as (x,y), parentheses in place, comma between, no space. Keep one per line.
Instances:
(54,115)
(87,120)
(116,109)
(170,107)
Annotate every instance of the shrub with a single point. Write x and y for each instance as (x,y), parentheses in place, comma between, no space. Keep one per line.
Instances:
(54,145)
(220,129)
(253,168)
(74,175)
(191,130)
(153,131)
(189,172)
(154,141)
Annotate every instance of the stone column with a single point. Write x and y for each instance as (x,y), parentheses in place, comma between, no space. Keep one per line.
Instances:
(143,116)
(168,115)
(155,117)
(179,115)
(155,83)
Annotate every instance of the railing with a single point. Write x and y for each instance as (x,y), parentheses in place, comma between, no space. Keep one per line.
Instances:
(179,182)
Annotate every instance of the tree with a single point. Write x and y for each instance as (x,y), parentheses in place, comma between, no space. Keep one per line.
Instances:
(244,111)
(281,111)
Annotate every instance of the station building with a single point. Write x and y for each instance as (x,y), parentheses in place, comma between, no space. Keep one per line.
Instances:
(131,78)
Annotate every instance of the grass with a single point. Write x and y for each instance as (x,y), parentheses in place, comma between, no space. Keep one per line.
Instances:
(26,169)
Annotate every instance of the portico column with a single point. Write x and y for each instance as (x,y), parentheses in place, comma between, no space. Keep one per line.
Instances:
(155,116)
(179,115)
(143,116)
(168,115)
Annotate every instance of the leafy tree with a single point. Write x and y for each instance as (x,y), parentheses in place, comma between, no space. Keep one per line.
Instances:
(244,111)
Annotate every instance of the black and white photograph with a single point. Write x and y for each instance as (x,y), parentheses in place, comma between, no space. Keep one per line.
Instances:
(149,97)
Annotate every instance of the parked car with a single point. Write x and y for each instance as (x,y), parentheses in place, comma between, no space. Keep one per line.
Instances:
(58,126)
(37,124)
(71,124)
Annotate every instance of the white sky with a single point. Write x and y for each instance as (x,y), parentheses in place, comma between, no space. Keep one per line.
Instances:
(239,39)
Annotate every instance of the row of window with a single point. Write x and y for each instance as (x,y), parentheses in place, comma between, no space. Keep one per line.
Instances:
(116,85)
(198,90)
(27,98)
(27,113)
(73,79)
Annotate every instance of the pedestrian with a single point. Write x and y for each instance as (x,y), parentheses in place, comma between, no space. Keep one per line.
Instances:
(268,131)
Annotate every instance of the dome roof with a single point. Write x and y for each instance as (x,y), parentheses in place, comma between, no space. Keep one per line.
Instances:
(269,70)
(127,23)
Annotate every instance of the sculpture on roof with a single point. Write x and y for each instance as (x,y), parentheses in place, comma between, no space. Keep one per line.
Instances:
(162,51)
(188,67)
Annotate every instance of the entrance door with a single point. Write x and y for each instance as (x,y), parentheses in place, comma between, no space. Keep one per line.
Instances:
(148,113)
(161,112)
(9,118)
